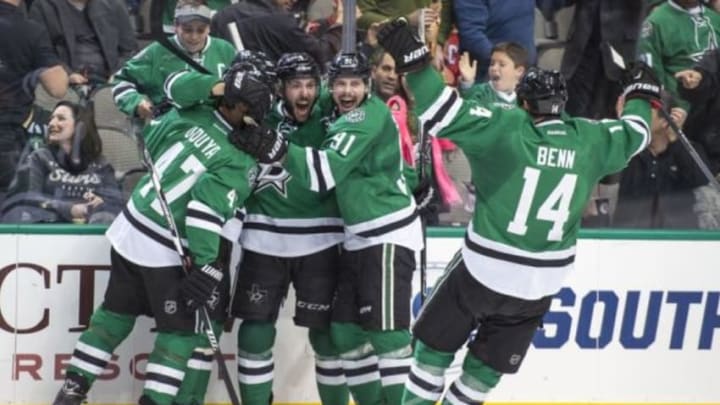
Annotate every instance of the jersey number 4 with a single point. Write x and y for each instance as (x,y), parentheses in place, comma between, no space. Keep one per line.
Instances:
(555,208)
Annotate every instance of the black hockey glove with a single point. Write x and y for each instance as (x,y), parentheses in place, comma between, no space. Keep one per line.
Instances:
(424,195)
(264,144)
(409,52)
(639,81)
(243,84)
(199,287)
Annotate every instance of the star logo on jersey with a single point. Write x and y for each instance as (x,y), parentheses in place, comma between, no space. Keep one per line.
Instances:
(356,115)
(255,294)
(275,176)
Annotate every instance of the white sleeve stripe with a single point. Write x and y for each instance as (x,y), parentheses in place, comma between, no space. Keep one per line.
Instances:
(437,105)
(448,118)
(202,224)
(122,94)
(641,127)
(310,161)
(198,206)
(326,172)
(169,82)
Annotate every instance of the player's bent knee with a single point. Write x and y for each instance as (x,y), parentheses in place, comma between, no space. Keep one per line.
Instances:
(392,343)
(256,336)
(322,343)
(110,326)
(174,348)
(347,336)
(481,372)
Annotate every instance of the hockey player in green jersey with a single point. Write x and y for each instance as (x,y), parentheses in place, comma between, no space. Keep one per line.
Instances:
(508,63)
(361,161)
(533,173)
(290,235)
(674,36)
(138,86)
(205,179)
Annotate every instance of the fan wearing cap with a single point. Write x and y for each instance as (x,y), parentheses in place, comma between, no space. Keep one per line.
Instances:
(138,85)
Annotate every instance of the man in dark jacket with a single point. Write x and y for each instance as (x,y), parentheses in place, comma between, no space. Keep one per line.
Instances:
(93,38)
(593,78)
(26,58)
(700,86)
(268,26)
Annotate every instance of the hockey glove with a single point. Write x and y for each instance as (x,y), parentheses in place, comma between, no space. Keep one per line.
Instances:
(424,195)
(199,287)
(641,82)
(242,84)
(264,144)
(409,52)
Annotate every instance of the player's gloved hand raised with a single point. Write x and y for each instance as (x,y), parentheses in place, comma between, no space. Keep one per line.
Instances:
(199,287)
(639,81)
(264,144)
(424,194)
(244,83)
(409,52)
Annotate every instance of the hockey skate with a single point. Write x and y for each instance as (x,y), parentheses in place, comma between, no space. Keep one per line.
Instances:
(71,393)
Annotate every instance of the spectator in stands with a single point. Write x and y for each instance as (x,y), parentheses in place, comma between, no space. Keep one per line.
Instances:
(93,38)
(674,36)
(138,90)
(385,80)
(592,77)
(269,26)
(484,23)
(68,180)
(377,11)
(508,63)
(26,58)
(701,86)
(656,189)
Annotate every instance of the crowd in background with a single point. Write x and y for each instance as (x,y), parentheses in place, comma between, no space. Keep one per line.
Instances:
(52,167)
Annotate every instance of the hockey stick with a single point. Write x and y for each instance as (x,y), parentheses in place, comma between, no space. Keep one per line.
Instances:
(619,61)
(185,260)
(424,158)
(235,36)
(349,27)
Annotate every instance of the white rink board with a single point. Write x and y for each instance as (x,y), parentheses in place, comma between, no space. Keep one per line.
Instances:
(589,351)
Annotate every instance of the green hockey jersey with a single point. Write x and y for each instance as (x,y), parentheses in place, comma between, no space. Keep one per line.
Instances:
(144,75)
(361,160)
(532,181)
(485,94)
(284,217)
(205,179)
(674,38)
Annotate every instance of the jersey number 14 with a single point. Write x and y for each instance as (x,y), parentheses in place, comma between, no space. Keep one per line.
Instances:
(555,208)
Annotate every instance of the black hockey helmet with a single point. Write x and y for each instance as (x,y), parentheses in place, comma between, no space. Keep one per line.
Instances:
(349,64)
(242,84)
(297,64)
(257,63)
(544,90)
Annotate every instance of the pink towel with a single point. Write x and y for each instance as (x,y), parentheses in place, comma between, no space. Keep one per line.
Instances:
(446,187)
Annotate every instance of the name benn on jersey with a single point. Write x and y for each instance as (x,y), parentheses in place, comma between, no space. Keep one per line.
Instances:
(202,141)
(555,157)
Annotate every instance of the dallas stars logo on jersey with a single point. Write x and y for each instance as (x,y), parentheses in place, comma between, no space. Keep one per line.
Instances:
(273,176)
